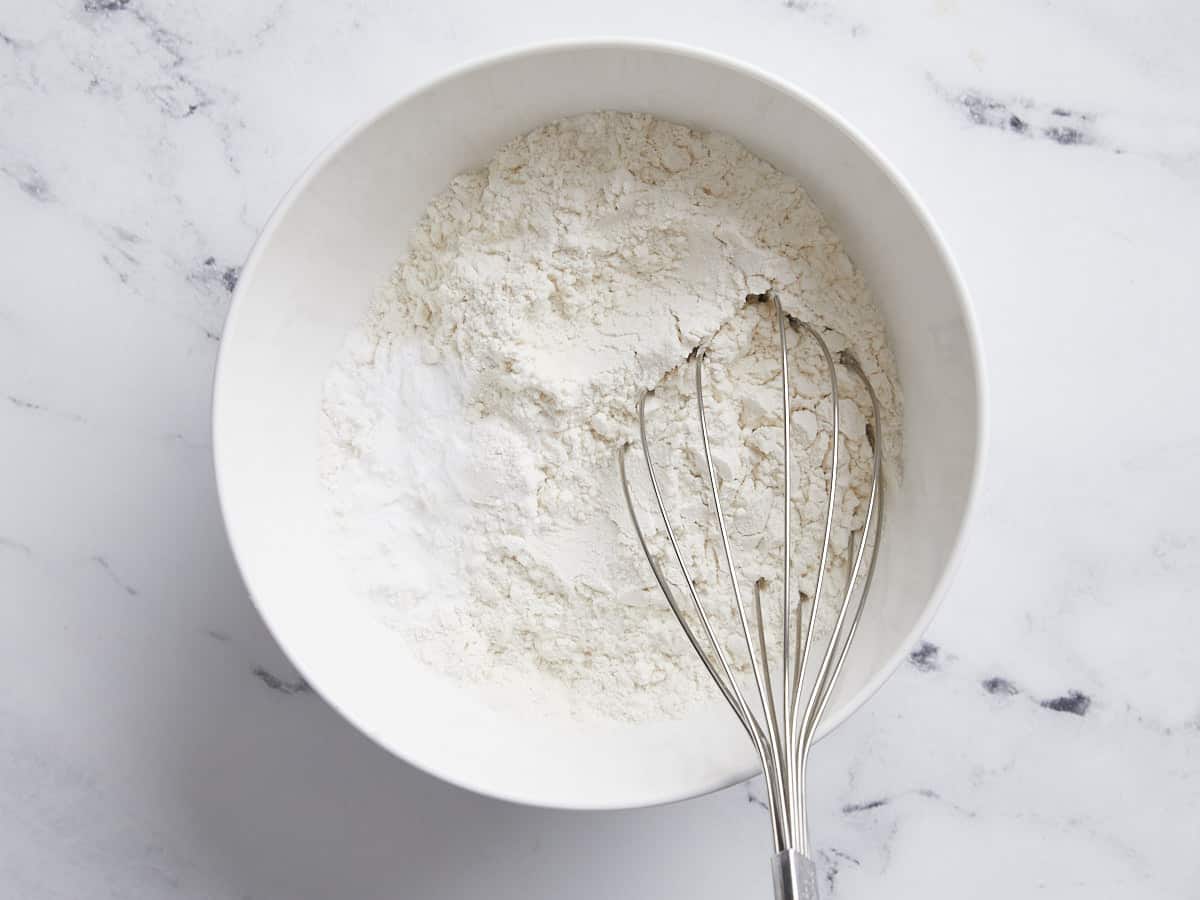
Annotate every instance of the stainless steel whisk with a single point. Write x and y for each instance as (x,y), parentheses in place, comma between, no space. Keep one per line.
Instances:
(781,723)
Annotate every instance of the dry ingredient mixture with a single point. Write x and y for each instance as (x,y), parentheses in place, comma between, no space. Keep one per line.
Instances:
(471,424)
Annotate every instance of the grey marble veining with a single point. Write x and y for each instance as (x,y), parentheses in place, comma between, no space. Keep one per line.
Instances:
(1043,740)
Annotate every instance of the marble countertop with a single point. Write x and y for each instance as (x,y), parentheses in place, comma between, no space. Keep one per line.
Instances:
(154,743)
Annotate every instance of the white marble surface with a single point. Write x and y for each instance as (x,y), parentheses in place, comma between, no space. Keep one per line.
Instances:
(154,742)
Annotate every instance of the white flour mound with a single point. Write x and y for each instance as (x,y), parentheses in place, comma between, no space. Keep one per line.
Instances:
(472,423)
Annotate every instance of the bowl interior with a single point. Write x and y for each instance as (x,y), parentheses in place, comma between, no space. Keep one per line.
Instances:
(335,239)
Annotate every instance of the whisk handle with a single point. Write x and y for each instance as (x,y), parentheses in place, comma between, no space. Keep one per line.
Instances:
(795,876)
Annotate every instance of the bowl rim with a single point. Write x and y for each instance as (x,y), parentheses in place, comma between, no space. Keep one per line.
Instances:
(348,136)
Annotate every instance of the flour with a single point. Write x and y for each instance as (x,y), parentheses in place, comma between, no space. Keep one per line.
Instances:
(472,422)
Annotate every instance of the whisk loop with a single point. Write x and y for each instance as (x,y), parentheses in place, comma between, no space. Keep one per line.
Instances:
(781,722)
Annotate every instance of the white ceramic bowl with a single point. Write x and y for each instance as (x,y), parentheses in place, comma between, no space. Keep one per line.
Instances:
(334,239)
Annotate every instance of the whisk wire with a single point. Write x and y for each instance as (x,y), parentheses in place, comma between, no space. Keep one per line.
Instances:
(794,762)
(787,771)
(758,665)
(872,517)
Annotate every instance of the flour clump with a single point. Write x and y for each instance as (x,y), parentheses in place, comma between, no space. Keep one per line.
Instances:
(471,423)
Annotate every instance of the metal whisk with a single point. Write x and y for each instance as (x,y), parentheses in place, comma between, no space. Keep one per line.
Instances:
(781,723)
